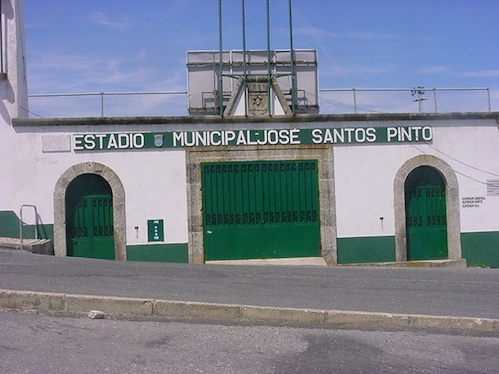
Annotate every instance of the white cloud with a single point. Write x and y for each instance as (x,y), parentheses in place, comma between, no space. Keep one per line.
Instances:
(481,73)
(92,69)
(335,70)
(102,19)
(369,35)
(315,32)
(320,33)
(433,69)
(89,74)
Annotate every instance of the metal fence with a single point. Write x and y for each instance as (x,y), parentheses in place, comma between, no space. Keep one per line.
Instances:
(331,101)
(410,100)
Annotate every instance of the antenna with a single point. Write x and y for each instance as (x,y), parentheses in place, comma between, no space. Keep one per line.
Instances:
(417,94)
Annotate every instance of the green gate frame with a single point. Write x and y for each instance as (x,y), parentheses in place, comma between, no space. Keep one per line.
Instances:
(195,156)
(261,209)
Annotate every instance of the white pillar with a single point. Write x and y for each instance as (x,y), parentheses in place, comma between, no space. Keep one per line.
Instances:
(13,82)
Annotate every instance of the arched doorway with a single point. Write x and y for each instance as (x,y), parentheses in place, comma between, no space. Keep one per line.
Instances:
(426,218)
(89,218)
(118,206)
(451,204)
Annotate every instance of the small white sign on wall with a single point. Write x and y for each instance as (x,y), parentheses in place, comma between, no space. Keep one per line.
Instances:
(493,187)
(56,143)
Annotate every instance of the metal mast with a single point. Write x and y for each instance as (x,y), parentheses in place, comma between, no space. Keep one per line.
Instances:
(220,66)
(245,73)
(292,58)
(269,57)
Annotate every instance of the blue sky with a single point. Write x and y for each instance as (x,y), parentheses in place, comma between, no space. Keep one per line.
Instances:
(140,46)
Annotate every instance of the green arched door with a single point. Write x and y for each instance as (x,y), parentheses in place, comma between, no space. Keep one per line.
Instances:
(426,219)
(89,218)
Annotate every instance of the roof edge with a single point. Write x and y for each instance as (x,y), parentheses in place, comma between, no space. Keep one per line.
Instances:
(304,118)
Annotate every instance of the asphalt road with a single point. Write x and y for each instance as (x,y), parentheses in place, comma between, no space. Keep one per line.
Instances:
(470,292)
(34,344)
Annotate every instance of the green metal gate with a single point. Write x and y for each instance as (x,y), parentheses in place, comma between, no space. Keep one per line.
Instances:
(92,231)
(261,209)
(426,215)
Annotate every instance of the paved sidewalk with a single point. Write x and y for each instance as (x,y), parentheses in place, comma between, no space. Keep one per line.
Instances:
(431,297)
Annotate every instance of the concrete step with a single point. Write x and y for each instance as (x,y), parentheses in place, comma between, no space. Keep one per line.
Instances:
(39,246)
(299,261)
(454,263)
(319,261)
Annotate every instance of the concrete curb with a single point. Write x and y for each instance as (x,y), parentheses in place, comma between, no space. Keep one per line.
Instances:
(44,302)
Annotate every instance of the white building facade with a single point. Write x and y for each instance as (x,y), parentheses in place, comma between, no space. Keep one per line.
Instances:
(360,188)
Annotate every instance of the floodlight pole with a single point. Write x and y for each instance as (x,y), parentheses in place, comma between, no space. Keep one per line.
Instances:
(269,57)
(245,73)
(220,66)
(292,55)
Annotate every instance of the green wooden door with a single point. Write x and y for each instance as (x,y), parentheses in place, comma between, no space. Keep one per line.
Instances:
(426,215)
(89,217)
(93,227)
(261,209)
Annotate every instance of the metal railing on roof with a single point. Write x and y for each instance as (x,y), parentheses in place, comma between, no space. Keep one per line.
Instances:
(102,96)
(417,94)
(331,101)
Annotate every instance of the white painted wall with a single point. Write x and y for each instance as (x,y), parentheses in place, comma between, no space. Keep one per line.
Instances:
(472,150)
(34,158)
(155,188)
(364,176)
(13,104)
(13,89)
(154,181)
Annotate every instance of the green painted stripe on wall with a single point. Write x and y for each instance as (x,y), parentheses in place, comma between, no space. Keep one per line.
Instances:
(9,227)
(481,248)
(366,249)
(158,253)
(9,224)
